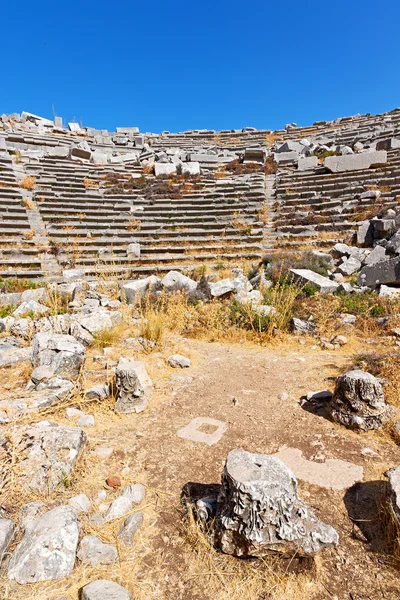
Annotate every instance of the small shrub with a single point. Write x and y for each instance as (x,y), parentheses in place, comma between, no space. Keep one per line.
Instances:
(6,310)
(28,183)
(106,337)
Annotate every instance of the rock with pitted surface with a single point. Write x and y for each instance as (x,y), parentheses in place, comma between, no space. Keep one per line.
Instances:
(105,590)
(259,511)
(48,548)
(358,401)
(63,354)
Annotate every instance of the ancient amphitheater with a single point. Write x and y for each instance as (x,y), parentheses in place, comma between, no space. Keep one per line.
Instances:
(200,362)
(94,202)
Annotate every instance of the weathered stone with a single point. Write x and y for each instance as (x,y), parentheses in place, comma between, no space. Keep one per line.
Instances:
(307,163)
(136,289)
(355,162)
(358,401)
(47,455)
(301,326)
(105,590)
(393,491)
(377,254)
(118,508)
(80,503)
(86,421)
(6,536)
(259,511)
(305,276)
(93,551)
(63,354)
(349,266)
(222,288)
(131,526)
(386,271)
(135,492)
(133,251)
(48,548)
(177,360)
(388,144)
(100,391)
(30,307)
(176,281)
(134,386)
(386,291)
(164,168)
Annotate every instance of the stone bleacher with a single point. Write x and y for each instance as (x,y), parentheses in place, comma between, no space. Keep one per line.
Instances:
(96,204)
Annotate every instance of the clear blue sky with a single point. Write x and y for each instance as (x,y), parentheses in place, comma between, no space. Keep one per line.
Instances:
(175,65)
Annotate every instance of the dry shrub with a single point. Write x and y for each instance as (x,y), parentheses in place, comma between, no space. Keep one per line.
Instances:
(90,184)
(27,203)
(391,524)
(28,183)
(384,365)
(133,224)
(108,337)
(28,235)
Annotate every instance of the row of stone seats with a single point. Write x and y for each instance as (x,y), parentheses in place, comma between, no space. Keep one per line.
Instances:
(90,226)
(18,252)
(314,202)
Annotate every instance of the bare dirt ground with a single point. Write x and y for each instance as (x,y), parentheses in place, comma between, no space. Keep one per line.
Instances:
(239,385)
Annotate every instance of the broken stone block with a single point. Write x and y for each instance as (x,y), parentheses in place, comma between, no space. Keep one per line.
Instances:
(393,492)
(388,144)
(386,291)
(307,163)
(349,266)
(358,401)
(259,511)
(301,326)
(62,354)
(164,168)
(305,276)
(93,551)
(222,288)
(131,526)
(47,455)
(118,508)
(133,251)
(386,271)
(6,536)
(355,162)
(80,153)
(174,281)
(177,360)
(30,307)
(105,590)
(136,289)
(213,430)
(190,168)
(80,503)
(377,254)
(134,386)
(48,548)
(365,234)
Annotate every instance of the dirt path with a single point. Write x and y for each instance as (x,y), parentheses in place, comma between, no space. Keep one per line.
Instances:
(240,386)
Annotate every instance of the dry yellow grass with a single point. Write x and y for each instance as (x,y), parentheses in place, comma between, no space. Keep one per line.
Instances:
(90,183)
(28,183)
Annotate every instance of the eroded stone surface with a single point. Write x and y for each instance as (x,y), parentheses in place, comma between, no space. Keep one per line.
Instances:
(48,548)
(105,590)
(134,386)
(358,401)
(259,510)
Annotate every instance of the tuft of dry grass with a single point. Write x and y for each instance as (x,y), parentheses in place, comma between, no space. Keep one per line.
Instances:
(28,183)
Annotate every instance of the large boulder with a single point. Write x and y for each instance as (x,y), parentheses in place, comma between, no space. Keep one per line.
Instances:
(259,511)
(134,386)
(137,288)
(177,281)
(63,354)
(358,401)
(385,271)
(105,590)
(48,548)
(47,455)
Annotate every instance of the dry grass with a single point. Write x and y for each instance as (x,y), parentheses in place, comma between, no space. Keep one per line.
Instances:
(27,203)
(134,224)
(28,183)
(30,234)
(90,184)
(391,524)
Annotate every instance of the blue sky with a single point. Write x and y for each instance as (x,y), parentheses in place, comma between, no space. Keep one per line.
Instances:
(207,64)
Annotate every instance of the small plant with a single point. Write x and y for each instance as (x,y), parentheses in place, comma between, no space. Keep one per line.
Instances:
(104,338)
(27,203)
(90,184)
(65,480)
(6,310)
(28,183)
(133,224)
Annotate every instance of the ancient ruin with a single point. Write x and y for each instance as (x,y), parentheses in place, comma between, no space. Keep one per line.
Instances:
(177,305)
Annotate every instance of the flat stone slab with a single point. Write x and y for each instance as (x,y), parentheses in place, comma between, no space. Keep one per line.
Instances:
(193,433)
(334,473)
